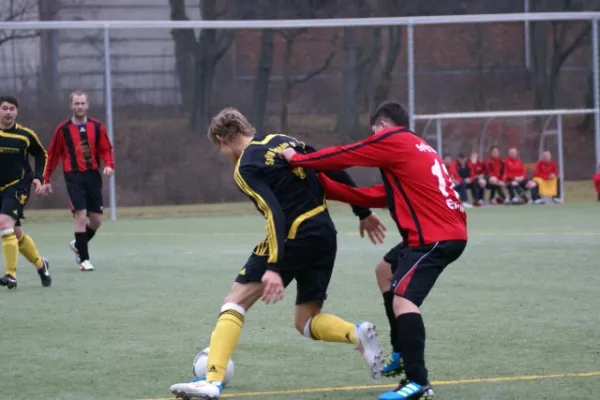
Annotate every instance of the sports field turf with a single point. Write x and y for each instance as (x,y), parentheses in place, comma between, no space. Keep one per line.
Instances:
(522,304)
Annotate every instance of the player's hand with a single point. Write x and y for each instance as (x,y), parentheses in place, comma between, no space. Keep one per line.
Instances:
(272,287)
(287,154)
(108,171)
(552,176)
(46,189)
(467,180)
(374,227)
(37,186)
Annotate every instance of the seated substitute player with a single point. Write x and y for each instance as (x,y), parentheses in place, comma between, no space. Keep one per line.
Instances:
(461,183)
(432,221)
(16,177)
(81,142)
(496,176)
(546,177)
(516,179)
(479,182)
(300,244)
(467,177)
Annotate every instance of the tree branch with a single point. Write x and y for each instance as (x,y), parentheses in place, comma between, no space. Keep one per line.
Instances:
(315,72)
(18,36)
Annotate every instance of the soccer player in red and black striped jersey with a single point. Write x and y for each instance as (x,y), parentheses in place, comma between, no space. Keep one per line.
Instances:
(81,142)
(429,215)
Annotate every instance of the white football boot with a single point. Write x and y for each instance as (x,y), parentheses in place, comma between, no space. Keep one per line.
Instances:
(74,249)
(367,343)
(197,390)
(86,266)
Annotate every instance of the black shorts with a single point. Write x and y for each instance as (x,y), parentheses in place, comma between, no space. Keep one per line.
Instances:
(521,183)
(392,256)
(13,200)
(307,260)
(417,268)
(85,191)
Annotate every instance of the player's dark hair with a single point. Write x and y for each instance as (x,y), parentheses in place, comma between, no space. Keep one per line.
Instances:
(10,100)
(494,148)
(393,111)
(228,124)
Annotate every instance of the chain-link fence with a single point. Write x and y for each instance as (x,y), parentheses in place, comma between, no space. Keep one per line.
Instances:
(317,83)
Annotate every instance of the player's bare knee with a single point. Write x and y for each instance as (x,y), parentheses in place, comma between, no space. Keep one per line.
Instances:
(244,294)
(404,306)
(95,221)
(383,273)
(6,222)
(304,314)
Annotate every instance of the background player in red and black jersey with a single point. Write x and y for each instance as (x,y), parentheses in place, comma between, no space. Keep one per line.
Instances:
(429,215)
(81,142)
(17,143)
(467,176)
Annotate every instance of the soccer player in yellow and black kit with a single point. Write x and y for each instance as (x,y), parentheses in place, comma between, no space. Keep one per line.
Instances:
(16,177)
(300,244)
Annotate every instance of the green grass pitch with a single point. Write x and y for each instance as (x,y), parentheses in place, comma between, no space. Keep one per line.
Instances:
(523,300)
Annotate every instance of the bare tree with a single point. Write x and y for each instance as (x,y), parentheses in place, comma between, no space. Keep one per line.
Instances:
(566,37)
(304,10)
(17,10)
(48,10)
(197,58)
(264,67)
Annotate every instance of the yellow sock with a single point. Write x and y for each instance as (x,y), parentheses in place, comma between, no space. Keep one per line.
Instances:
(10,247)
(224,340)
(329,328)
(29,251)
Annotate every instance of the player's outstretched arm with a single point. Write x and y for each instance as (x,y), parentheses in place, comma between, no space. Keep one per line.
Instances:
(36,149)
(263,197)
(373,197)
(374,151)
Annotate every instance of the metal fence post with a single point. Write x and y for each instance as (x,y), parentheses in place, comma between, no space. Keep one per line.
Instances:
(109,118)
(596,80)
(410,38)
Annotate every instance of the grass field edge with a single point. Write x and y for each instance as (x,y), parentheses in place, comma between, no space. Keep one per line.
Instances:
(388,386)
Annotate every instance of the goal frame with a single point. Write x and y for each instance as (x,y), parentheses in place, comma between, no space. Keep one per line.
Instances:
(548,129)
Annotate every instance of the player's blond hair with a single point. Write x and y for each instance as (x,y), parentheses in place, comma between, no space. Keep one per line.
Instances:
(77,93)
(228,124)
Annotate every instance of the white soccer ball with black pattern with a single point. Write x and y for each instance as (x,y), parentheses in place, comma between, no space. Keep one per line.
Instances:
(200,366)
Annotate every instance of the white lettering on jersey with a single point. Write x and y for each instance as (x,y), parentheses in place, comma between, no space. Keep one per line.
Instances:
(424,147)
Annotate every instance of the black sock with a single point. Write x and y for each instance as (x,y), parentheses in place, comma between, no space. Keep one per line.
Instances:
(81,243)
(388,301)
(89,232)
(411,336)
(511,191)
(535,193)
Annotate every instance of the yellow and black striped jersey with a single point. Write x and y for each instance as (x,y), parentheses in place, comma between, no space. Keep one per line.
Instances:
(292,200)
(16,144)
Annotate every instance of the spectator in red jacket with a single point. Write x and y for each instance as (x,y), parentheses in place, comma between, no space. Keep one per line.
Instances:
(546,176)
(516,178)
(478,175)
(459,182)
(597,182)
(496,176)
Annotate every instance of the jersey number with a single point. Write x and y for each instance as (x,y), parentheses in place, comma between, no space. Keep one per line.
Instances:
(441,173)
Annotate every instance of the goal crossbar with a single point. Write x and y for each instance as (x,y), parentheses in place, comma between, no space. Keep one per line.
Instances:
(548,128)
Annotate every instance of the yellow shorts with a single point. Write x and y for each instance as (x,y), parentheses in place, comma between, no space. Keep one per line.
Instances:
(547,187)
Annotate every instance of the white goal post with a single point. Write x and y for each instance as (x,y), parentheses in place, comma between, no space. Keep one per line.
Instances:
(433,130)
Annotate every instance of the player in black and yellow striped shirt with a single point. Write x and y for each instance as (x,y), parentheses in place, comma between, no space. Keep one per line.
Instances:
(301,245)
(17,143)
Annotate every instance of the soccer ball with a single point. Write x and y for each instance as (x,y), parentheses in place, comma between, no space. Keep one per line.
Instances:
(200,366)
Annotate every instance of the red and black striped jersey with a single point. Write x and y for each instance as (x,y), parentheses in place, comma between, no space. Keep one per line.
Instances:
(417,188)
(80,146)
